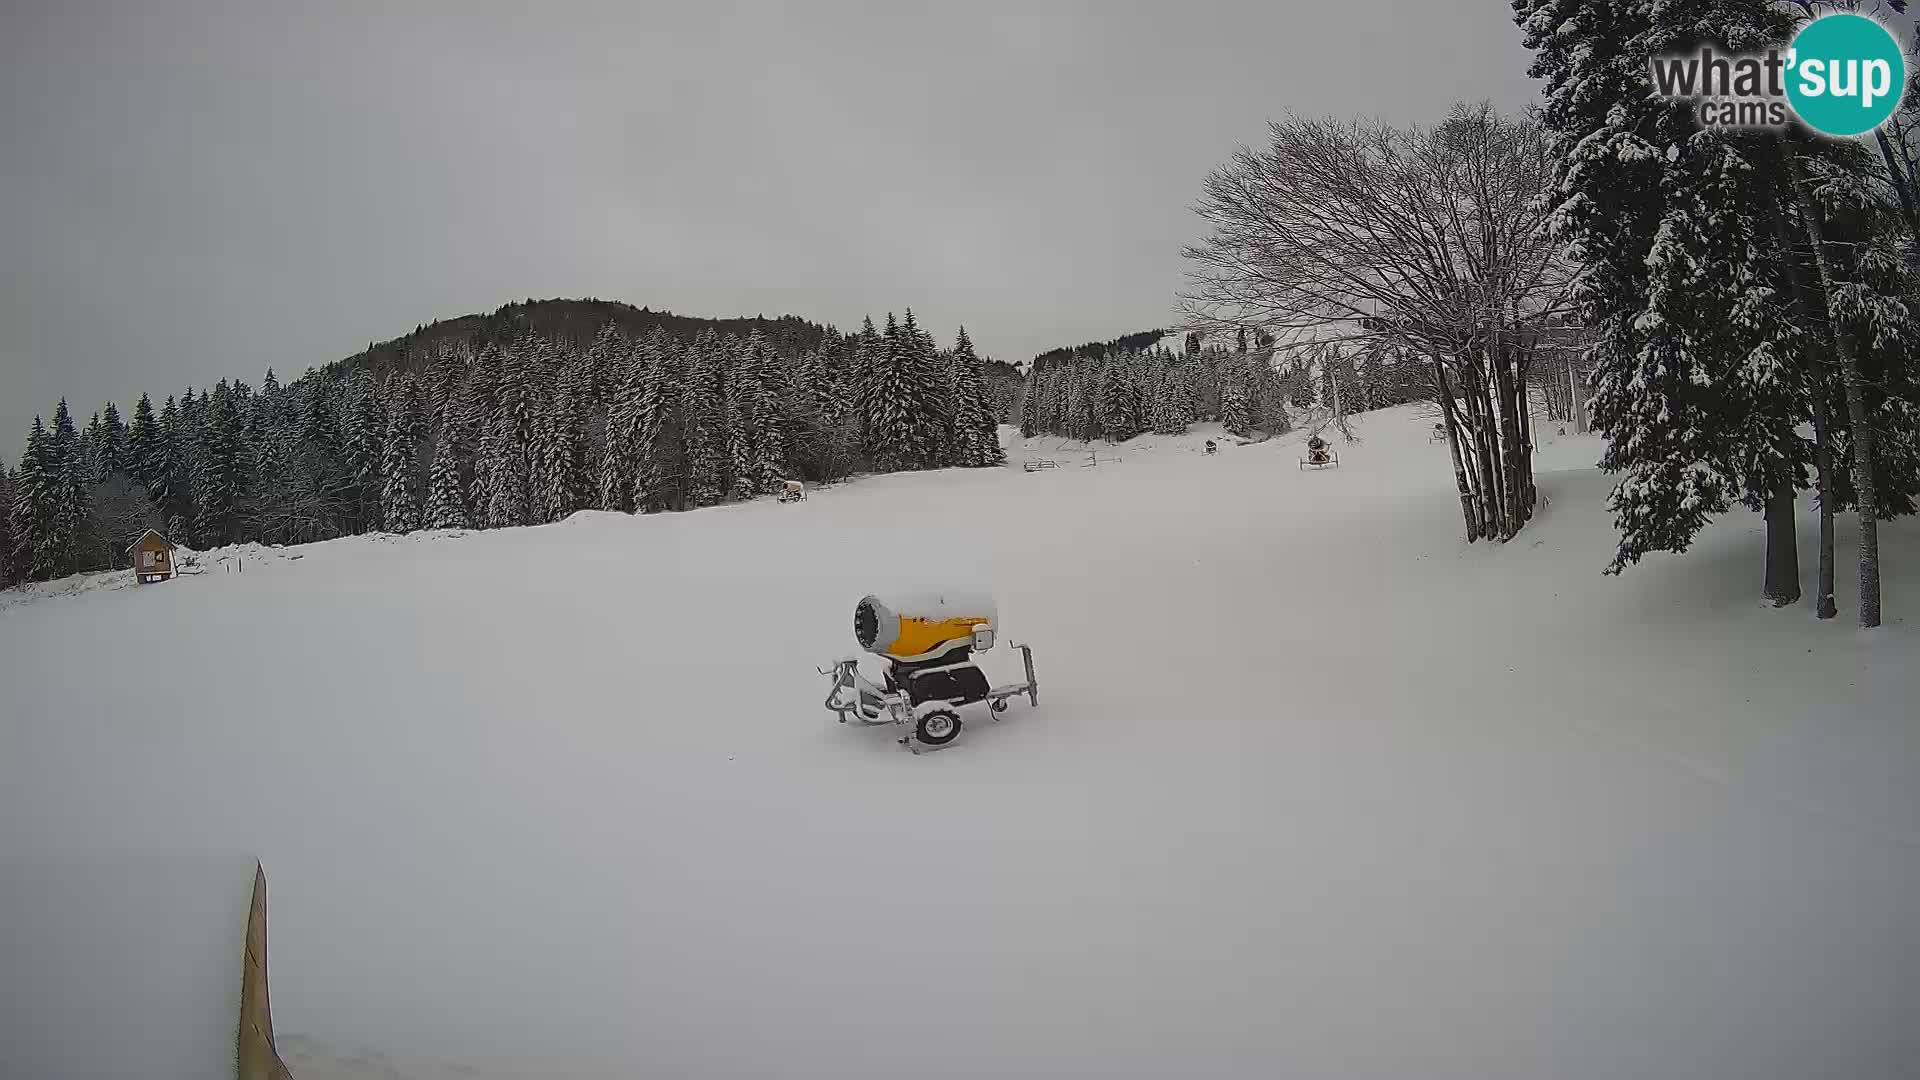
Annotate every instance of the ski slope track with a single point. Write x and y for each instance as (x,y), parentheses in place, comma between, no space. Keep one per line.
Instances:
(1314,788)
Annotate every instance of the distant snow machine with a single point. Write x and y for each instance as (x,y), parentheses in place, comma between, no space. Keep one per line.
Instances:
(1319,455)
(1438,434)
(1211,448)
(792,491)
(927,641)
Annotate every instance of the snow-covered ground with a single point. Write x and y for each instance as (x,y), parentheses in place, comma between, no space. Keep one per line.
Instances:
(1314,789)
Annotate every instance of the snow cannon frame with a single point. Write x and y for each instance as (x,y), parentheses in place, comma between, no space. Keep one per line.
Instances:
(928,642)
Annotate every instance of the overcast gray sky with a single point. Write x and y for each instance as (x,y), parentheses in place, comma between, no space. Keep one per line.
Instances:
(190,191)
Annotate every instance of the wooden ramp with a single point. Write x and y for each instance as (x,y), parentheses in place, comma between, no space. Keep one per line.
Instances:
(135,965)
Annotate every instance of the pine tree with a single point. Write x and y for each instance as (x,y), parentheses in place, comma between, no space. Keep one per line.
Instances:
(400,457)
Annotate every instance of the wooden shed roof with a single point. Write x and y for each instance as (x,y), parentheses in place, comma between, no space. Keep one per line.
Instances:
(150,532)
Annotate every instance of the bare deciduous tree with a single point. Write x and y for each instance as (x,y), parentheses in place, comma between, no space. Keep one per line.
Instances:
(1432,240)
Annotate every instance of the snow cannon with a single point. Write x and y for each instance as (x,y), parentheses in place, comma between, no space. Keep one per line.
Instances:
(927,641)
(913,627)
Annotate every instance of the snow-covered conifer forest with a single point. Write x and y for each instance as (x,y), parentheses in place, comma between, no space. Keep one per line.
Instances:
(500,427)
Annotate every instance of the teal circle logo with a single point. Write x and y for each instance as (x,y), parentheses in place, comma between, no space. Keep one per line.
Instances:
(1845,74)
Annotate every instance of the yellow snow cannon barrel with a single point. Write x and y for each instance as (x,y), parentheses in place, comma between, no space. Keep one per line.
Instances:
(920,626)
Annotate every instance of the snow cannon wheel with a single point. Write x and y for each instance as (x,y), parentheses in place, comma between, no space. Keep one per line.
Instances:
(937,727)
(998,705)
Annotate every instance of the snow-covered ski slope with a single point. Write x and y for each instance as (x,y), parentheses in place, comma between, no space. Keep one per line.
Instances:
(1314,789)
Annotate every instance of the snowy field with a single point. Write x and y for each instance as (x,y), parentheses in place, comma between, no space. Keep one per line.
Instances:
(1314,789)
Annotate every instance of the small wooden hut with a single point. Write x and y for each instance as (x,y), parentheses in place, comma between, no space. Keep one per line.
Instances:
(152,557)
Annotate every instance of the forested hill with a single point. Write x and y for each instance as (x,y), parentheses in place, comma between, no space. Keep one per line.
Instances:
(573,324)
(516,418)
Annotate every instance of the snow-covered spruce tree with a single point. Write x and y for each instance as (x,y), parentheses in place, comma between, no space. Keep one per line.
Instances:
(72,502)
(619,453)
(763,381)
(736,421)
(1236,413)
(506,448)
(920,379)
(31,515)
(1031,404)
(1082,407)
(501,463)
(8,575)
(145,455)
(441,379)
(977,428)
(663,375)
(446,489)
(1682,279)
(841,435)
(869,348)
(400,457)
(898,433)
(266,460)
(967,437)
(216,475)
(554,466)
(703,423)
(91,450)
(363,423)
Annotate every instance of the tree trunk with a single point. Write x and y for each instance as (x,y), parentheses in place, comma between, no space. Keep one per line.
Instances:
(1486,434)
(1856,406)
(1823,606)
(1578,388)
(1816,383)
(1783,548)
(1469,509)
(1522,450)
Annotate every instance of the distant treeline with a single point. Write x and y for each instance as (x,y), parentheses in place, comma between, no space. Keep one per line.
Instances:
(1117,394)
(1125,343)
(514,420)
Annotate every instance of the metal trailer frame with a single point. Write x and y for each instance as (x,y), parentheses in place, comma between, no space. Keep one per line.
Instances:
(855,697)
